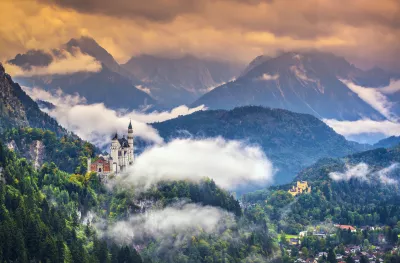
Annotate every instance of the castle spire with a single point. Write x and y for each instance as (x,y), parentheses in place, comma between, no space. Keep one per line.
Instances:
(115,136)
(130,124)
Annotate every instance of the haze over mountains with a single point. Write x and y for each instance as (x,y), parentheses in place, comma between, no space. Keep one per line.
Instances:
(177,81)
(307,82)
(318,83)
(142,81)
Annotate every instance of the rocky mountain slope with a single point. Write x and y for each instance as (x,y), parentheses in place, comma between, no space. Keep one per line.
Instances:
(177,81)
(291,140)
(143,80)
(308,82)
(17,109)
(33,134)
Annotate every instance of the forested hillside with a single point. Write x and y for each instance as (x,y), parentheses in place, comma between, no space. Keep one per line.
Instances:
(68,152)
(291,140)
(39,220)
(43,219)
(368,193)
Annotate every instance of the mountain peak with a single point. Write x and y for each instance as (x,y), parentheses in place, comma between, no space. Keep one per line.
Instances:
(305,82)
(90,46)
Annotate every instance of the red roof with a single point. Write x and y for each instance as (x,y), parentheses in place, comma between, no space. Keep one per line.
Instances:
(100,160)
(346,227)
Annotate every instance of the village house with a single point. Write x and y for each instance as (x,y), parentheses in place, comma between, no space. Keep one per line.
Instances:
(346,227)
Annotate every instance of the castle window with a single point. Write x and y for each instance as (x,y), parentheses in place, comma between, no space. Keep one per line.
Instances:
(100,170)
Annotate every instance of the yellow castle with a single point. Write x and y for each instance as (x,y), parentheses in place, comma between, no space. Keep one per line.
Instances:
(301,187)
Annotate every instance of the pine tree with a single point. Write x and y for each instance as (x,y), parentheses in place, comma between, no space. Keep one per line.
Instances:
(331,256)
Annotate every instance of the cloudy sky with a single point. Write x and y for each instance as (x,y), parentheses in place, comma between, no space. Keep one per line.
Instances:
(367,32)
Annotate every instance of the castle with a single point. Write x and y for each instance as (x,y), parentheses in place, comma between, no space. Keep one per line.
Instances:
(121,156)
(301,187)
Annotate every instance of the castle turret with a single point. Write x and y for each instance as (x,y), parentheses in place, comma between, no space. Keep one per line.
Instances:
(130,142)
(114,153)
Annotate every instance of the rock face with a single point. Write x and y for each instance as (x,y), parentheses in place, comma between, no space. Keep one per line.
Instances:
(33,151)
(291,140)
(177,81)
(11,108)
(36,152)
(308,82)
(17,109)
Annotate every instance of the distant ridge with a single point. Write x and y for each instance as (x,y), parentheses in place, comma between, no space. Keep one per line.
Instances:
(305,82)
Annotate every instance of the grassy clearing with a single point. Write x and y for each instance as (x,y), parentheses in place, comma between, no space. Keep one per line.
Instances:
(288,237)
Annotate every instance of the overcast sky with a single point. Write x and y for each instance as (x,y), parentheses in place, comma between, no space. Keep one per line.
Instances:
(367,32)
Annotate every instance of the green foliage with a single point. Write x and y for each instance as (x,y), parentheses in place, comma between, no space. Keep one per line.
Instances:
(354,202)
(32,229)
(205,193)
(68,152)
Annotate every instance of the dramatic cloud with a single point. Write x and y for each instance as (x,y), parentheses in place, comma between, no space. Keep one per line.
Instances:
(174,225)
(66,63)
(374,97)
(231,164)
(363,172)
(377,98)
(359,171)
(240,30)
(96,123)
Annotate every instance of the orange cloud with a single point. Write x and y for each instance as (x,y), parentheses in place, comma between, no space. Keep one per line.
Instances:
(65,63)
(365,31)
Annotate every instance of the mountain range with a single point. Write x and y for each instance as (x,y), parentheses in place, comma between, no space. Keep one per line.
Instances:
(142,82)
(305,82)
(177,81)
(309,82)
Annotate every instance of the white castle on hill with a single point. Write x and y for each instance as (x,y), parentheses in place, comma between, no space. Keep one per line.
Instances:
(121,156)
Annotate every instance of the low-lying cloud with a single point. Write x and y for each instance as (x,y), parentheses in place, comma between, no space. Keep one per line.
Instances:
(364,126)
(363,172)
(97,123)
(173,225)
(359,171)
(383,174)
(66,63)
(231,164)
(375,98)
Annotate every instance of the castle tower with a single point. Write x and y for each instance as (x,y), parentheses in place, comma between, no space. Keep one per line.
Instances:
(114,153)
(89,164)
(130,141)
